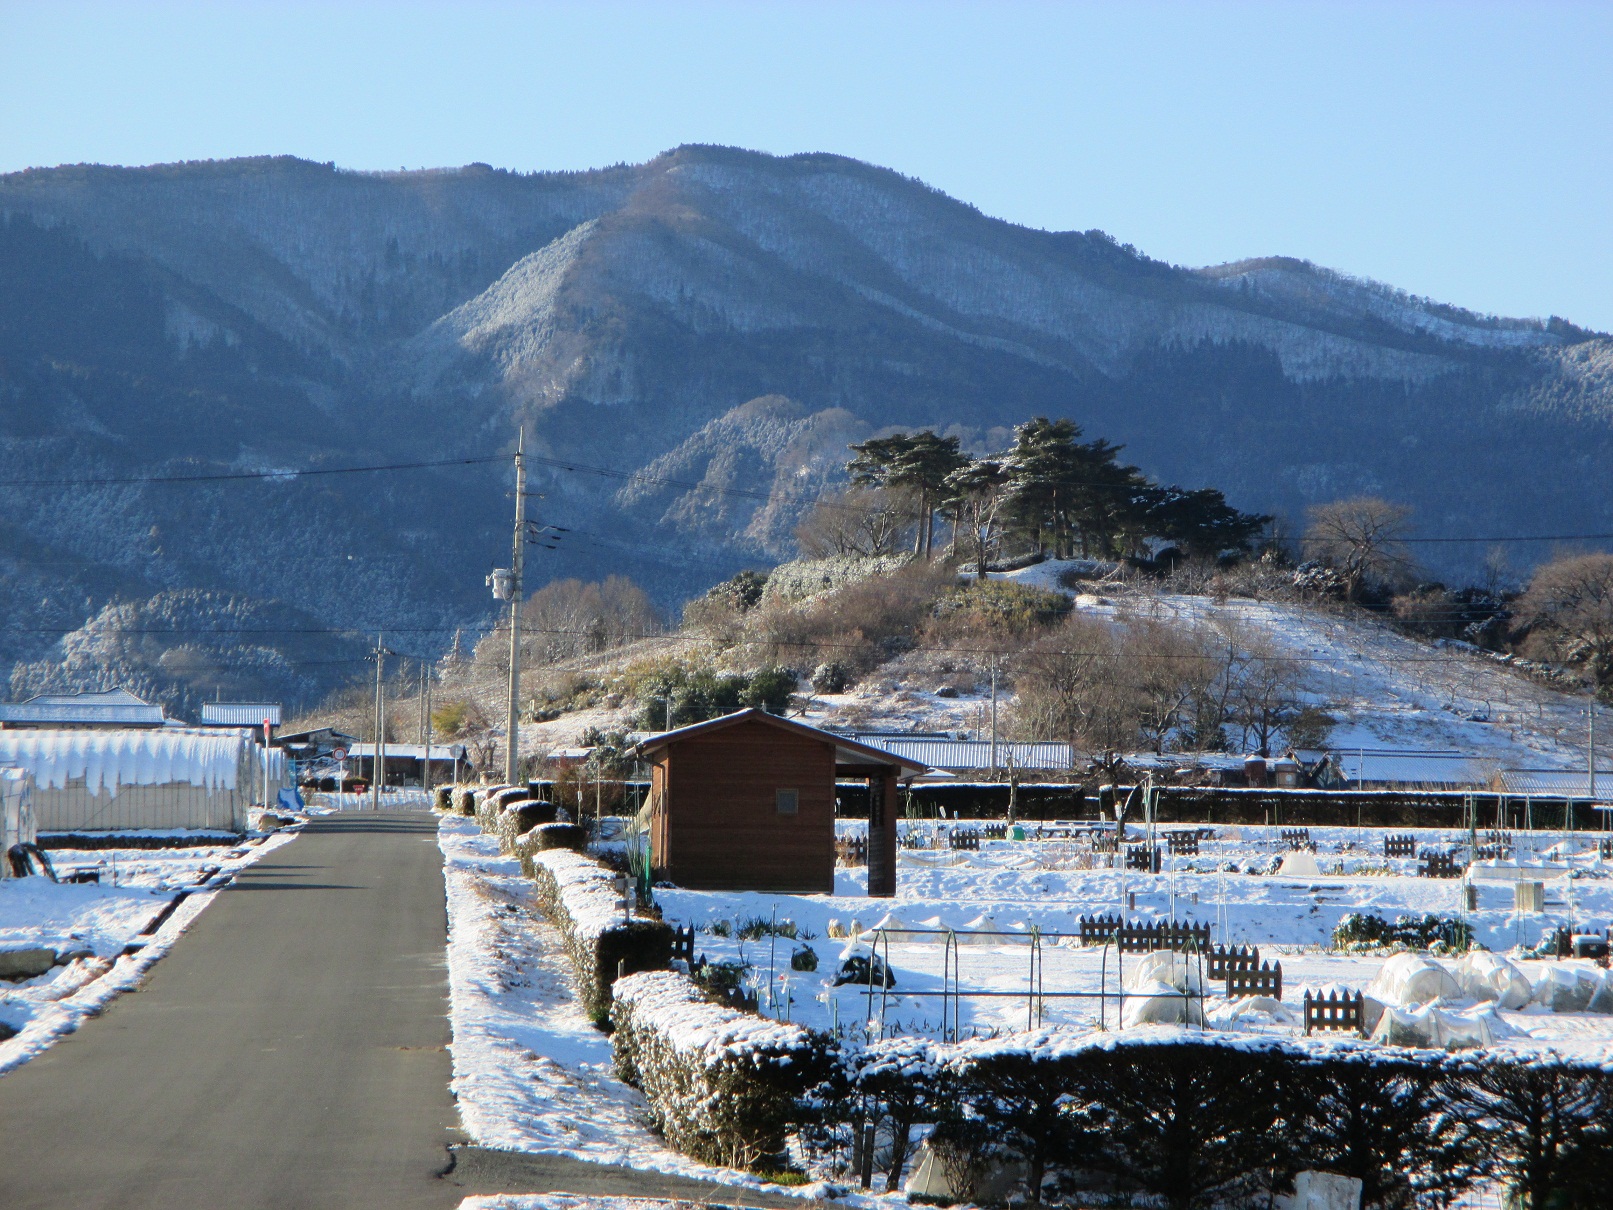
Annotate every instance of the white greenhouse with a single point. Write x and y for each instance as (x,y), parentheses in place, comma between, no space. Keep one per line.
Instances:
(169,778)
(16,816)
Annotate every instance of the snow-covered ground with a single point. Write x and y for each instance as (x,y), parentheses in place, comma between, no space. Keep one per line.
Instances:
(531,1073)
(99,923)
(1013,887)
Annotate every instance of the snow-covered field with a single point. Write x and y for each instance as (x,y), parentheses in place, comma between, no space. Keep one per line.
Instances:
(101,925)
(1013,888)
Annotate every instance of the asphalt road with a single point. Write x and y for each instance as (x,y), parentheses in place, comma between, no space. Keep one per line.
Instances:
(289,1052)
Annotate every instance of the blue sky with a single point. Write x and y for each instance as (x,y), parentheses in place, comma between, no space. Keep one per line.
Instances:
(1462,151)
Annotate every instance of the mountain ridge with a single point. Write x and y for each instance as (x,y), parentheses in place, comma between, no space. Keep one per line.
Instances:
(274,312)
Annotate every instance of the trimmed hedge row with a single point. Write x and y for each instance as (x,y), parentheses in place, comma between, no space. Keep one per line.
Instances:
(579,895)
(463,800)
(518,818)
(548,836)
(1196,1121)
(723,1086)
(490,803)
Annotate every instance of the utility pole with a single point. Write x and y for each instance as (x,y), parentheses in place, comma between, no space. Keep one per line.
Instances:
(425,768)
(994,716)
(1590,760)
(512,760)
(378,756)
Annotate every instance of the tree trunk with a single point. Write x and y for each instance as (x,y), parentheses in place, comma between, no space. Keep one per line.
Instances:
(901,1133)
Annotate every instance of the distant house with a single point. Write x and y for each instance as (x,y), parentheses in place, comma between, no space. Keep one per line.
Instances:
(241,714)
(108,709)
(747,802)
(316,757)
(406,763)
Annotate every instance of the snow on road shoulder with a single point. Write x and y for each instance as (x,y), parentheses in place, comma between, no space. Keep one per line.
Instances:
(531,1073)
(100,921)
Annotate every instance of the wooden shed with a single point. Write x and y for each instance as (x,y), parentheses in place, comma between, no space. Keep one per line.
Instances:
(746,802)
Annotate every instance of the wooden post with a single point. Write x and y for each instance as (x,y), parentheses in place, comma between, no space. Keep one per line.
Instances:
(882,802)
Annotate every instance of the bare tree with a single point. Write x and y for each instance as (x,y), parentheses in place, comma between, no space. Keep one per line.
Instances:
(568,618)
(1363,537)
(1268,696)
(1570,602)
(871,522)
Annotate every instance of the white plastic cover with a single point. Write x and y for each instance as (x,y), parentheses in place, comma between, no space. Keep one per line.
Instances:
(1428,1026)
(1487,976)
(110,759)
(1174,970)
(1161,1004)
(1568,987)
(1407,980)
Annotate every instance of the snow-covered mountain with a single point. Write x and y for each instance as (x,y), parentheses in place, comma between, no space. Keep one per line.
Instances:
(719,319)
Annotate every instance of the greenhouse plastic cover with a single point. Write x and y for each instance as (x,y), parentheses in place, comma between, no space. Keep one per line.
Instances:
(1408,980)
(108,759)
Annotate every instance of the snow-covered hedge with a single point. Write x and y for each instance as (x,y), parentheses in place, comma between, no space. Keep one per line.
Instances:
(724,1086)
(490,804)
(579,895)
(442,798)
(463,800)
(520,817)
(548,836)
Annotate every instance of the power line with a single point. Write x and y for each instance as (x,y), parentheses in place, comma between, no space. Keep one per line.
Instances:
(235,476)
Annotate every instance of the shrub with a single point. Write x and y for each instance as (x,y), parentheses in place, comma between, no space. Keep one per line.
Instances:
(1020,1088)
(518,818)
(830,677)
(1365,930)
(442,798)
(546,836)
(1542,1126)
(579,895)
(1192,1123)
(805,958)
(770,688)
(723,1086)
(1002,606)
(906,1081)
(456,718)
(464,800)
(758,927)
(1385,1121)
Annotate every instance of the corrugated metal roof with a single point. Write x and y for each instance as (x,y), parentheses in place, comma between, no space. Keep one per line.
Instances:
(63,710)
(1559,783)
(411,751)
(1379,766)
(240,714)
(975,754)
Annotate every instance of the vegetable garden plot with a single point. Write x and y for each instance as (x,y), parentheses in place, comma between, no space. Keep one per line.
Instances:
(1015,889)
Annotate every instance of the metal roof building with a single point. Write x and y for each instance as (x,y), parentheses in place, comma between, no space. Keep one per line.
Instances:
(109,708)
(970,755)
(1559,783)
(240,714)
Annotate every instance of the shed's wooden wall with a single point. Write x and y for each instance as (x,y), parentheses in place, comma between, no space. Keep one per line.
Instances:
(717,825)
